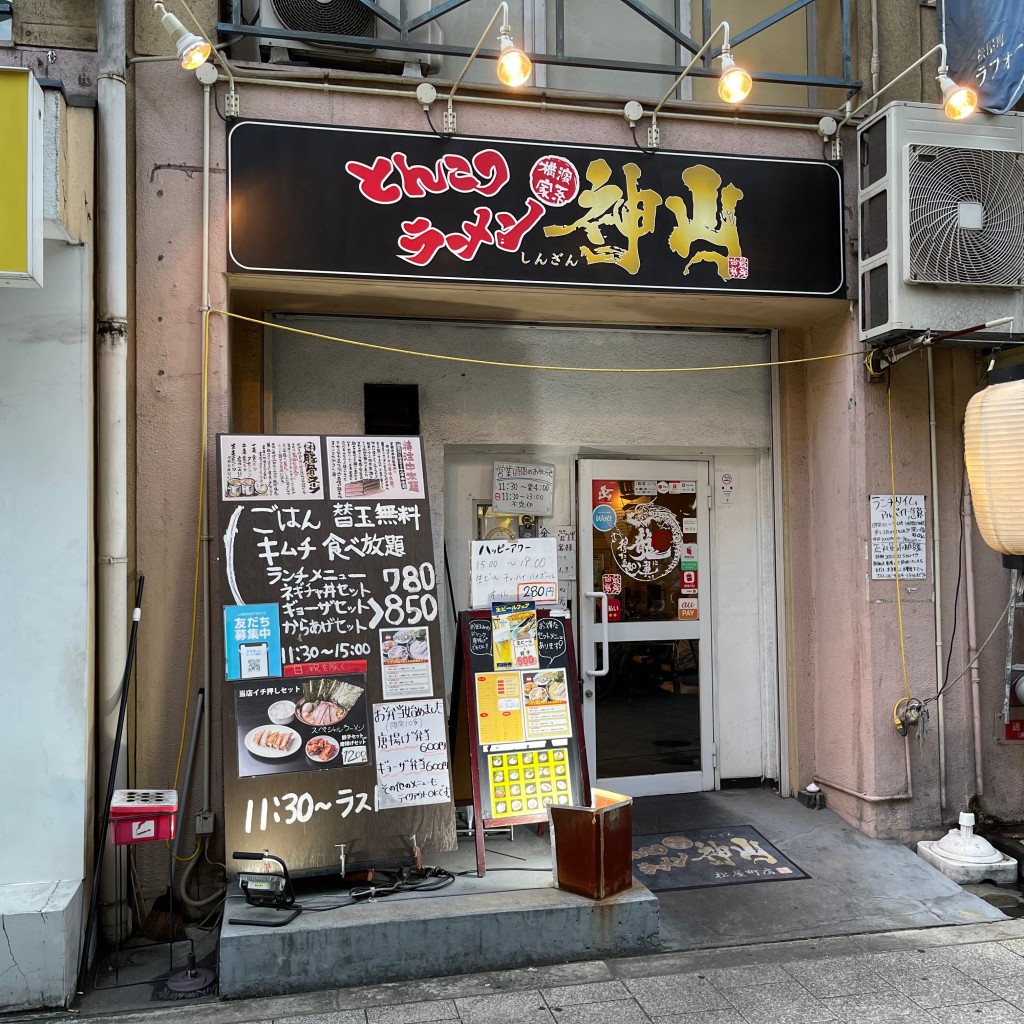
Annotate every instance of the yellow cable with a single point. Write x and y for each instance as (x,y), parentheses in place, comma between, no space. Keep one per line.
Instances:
(896,544)
(191,856)
(528,366)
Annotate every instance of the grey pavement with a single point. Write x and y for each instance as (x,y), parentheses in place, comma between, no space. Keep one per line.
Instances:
(875,935)
(944,975)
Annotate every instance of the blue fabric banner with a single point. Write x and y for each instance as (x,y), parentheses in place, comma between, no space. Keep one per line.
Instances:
(985,42)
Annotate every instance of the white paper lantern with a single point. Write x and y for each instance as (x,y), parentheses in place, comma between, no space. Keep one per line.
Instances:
(994,451)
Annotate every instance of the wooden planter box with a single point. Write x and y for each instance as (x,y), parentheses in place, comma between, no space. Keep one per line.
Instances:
(592,846)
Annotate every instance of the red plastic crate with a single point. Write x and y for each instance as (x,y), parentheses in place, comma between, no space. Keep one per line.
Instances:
(142,815)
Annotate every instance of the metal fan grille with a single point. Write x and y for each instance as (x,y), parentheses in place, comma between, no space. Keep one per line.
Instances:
(338,17)
(942,251)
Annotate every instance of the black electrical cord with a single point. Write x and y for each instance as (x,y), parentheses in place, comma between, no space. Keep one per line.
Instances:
(216,106)
(430,879)
(636,141)
(959,578)
(440,135)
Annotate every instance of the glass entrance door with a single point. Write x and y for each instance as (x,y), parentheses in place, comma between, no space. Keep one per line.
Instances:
(645,625)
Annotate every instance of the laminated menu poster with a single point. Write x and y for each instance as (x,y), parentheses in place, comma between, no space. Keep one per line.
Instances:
(519,730)
(515,635)
(299,725)
(330,614)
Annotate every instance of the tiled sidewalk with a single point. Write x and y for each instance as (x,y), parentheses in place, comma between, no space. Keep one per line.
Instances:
(953,975)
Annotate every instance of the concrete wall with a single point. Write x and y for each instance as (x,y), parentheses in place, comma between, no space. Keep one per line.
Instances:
(846,667)
(316,387)
(56,23)
(46,493)
(781,49)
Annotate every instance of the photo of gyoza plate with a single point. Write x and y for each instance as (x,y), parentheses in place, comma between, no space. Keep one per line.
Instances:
(272,741)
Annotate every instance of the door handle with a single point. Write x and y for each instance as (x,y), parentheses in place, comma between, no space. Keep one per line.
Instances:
(603,598)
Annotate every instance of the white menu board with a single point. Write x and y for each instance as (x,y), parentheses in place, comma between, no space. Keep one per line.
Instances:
(411,752)
(910,534)
(513,570)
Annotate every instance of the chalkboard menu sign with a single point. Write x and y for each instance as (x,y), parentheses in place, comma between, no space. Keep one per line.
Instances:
(524,728)
(334,720)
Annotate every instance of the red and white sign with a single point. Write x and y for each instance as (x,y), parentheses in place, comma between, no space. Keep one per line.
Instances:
(611,583)
(543,591)
(688,580)
(1014,731)
(614,609)
(603,492)
(554,180)
(320,668)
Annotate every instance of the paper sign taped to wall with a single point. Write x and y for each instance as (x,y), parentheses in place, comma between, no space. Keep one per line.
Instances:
(411,752)
(524,489)
(514,570)
(907,544)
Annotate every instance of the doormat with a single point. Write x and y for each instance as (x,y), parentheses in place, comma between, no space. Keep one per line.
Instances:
(700,857)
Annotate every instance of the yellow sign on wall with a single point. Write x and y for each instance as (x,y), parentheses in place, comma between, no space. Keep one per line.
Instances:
(21,178)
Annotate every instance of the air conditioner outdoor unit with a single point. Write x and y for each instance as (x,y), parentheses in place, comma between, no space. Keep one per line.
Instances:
(347,18)
(941,215)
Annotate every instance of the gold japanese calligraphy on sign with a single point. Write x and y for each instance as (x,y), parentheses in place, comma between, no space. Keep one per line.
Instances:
(708,217)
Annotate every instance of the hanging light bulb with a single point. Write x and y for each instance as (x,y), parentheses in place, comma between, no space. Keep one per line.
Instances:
(734,84)
(958,101)
(514,66)
(191,50)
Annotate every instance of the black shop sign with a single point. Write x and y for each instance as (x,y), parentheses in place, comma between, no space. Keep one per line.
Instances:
(322,200)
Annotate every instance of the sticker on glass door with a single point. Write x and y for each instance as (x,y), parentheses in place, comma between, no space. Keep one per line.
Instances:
(653,529)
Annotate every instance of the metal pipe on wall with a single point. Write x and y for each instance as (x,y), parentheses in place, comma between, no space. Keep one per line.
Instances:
(871,798)
(318,85)
(937,576)
(972,636)
(111,400)
(204,496)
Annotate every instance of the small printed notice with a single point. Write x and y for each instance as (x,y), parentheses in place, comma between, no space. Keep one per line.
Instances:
(514,636)
(513,570)
(547,704)
(405,663)
(252,641)
(253,466)
(411,749)
(566,537)
(524,489)
(373,468)
(910,537)
(499,708)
